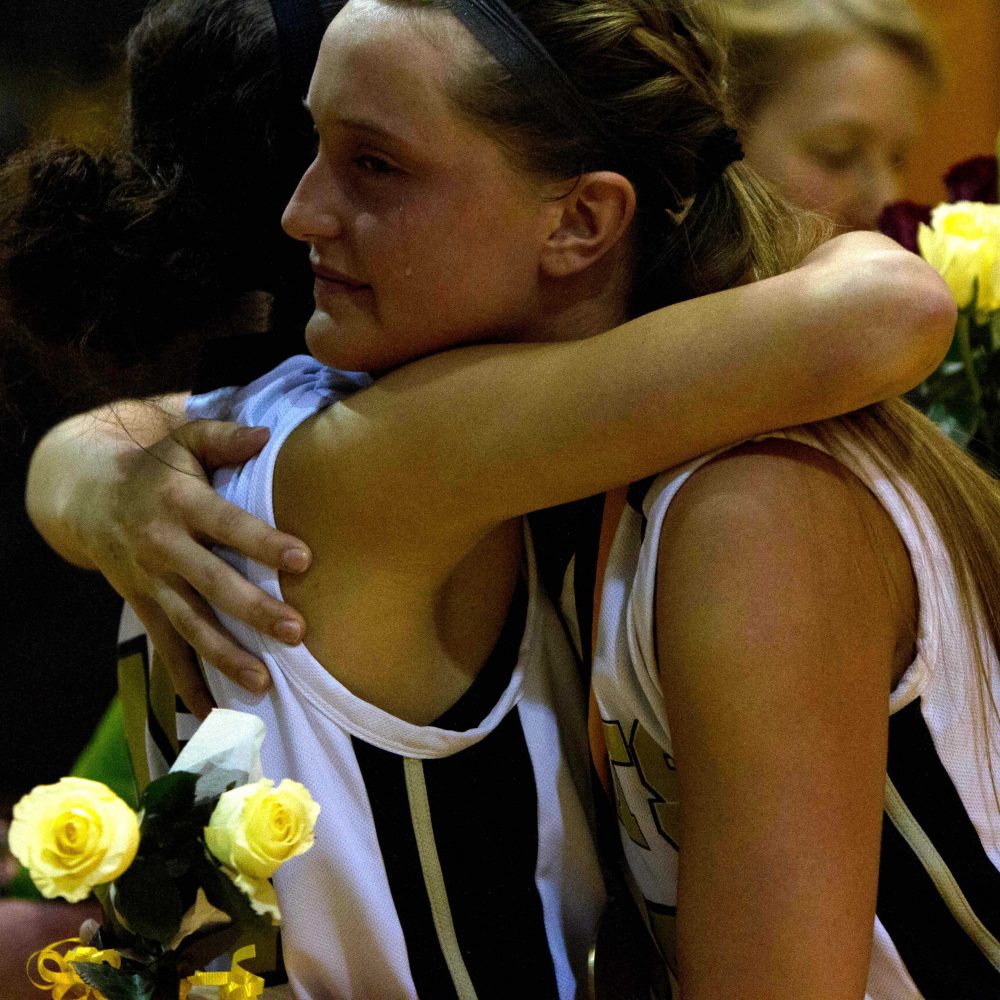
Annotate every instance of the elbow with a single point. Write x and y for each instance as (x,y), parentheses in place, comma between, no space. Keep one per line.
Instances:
(920,321)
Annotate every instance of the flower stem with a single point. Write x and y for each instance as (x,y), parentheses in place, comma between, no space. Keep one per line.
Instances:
(968,362)
(995,330)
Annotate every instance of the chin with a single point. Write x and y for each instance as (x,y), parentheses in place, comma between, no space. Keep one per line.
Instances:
(334,346)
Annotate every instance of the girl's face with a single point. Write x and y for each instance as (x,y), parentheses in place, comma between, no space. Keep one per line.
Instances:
(835,134)
(422,235)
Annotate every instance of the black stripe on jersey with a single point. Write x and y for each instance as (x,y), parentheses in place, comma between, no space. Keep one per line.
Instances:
(385,782)
(559,534)
(929,793)
(637,493)
(484,806)
(944,962)
(139,646)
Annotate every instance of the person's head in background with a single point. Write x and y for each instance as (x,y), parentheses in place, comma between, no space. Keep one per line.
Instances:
(175,232)
(833,94)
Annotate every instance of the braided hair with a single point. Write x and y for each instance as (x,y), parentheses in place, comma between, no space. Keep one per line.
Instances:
(656,73)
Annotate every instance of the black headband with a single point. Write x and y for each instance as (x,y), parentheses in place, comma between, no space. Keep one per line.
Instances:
(503,34)
(300,25)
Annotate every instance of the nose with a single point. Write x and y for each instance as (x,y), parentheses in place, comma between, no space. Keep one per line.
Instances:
(310,213)
(885,185)
(881,186)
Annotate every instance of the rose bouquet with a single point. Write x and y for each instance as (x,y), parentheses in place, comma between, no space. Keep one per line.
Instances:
(180,883)
(961,239)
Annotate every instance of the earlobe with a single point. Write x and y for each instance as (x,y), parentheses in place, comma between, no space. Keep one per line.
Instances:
(589,221)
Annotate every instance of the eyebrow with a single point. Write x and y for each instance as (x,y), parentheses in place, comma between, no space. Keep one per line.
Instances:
(364,125)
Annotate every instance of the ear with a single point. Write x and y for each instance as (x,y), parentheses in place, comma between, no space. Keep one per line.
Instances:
(587,222)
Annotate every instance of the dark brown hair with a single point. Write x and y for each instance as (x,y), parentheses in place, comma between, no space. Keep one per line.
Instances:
(115,256)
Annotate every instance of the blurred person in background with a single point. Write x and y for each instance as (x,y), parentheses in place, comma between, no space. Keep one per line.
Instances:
(833,93)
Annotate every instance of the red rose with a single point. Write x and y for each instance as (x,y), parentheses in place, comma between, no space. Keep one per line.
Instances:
(973,180)
(902,219)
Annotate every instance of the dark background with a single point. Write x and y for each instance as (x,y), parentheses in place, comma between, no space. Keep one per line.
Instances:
(59,73)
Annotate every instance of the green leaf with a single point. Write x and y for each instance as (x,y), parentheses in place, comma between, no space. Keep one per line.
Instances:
(116,984)
(954,352)
(148,900)
(171,795)
(222,893)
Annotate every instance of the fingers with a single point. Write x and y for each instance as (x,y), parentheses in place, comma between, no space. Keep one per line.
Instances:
(233,527)
(178,658)
(226,589)
(214,444)
(217,443)
(192,619)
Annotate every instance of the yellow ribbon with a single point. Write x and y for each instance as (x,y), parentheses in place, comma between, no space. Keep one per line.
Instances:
(57,974)
(236,984)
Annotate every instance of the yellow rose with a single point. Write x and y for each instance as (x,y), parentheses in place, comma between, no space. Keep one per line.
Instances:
(256,828)
(72,836)
(259,891)
(963,244)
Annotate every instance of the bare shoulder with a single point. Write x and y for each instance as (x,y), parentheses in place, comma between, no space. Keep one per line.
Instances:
(775,541)
(776,631)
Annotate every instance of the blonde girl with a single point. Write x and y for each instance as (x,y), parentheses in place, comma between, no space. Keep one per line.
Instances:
(833,95)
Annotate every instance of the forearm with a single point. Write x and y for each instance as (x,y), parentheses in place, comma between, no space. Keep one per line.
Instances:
(77,459)
(879,327)
(497,431)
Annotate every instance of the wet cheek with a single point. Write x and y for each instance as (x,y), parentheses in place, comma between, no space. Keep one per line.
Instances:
(410,244)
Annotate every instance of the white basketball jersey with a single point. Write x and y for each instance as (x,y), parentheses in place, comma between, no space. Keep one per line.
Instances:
(451,860)
(938,910)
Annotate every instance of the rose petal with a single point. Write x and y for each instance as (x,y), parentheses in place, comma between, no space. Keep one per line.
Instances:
(973,180)
(901,220)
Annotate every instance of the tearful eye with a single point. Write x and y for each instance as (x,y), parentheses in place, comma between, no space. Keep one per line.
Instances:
(374,165)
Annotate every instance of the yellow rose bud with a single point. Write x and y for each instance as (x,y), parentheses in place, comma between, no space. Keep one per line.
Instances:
(256,828)
(963,244)
(72,836)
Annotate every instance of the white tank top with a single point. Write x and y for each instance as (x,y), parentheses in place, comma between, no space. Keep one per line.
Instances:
(448,862)
(938,911)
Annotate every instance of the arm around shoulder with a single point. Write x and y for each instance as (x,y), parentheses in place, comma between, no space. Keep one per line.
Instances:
(467,438)
(884,318)
(776,635)
(74,463)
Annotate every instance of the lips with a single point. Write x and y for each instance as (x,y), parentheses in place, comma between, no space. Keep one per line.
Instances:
(336,281)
